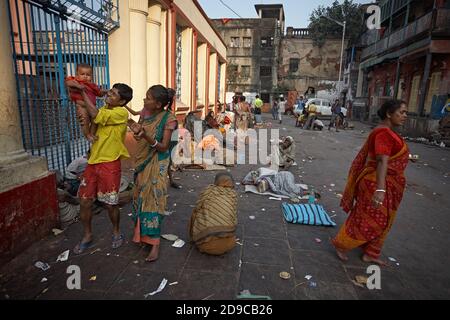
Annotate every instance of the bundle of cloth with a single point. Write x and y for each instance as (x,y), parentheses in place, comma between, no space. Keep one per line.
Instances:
(282,182)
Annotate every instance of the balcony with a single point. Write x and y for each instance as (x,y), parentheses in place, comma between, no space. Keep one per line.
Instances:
(300,33)
(442,23)
(403,35)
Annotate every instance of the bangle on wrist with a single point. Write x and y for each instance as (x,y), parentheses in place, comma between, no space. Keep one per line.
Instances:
(380,190)
(155,144)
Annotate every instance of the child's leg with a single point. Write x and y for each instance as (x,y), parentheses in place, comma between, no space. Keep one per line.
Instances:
(83,114)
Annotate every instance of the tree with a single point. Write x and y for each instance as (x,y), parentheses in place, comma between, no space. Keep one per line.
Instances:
(322,28)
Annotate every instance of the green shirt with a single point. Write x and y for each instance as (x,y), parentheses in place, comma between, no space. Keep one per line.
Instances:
(258,103)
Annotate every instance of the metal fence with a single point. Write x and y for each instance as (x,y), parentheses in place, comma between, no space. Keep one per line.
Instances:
(49,38)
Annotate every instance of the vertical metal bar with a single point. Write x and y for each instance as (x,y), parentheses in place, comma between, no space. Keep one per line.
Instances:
(56,149)
(38,107)
(107,60)
(67,128)
(51,102)
(25,82)
(16,73)
(59,87)
(44,82)
(101,57)
(62,88)
(74,36)
(72,111)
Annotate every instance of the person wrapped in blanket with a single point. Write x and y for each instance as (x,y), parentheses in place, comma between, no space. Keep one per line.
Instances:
(213,222)
(286,152)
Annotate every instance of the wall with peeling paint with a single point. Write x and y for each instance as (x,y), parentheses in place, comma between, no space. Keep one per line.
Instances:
(316,63)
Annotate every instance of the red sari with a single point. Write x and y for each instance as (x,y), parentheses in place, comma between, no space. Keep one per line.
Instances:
(367,226)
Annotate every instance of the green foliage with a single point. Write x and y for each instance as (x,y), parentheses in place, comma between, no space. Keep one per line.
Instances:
(322,28)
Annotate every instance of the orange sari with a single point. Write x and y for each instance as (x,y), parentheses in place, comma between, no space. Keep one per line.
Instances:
(367,226)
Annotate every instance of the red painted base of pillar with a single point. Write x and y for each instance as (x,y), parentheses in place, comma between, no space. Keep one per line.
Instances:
(27,214)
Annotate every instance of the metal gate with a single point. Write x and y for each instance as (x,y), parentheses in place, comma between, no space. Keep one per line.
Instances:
(49,38)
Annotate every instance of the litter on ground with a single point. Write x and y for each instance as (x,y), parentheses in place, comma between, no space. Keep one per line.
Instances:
(63,256)
(42,265)
(160,288)
(178,243)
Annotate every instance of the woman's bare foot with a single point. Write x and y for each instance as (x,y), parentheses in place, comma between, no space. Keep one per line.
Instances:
(369,259)
(154,253)
(340,253)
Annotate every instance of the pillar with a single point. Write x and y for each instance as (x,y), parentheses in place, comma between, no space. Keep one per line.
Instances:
(424,84)
(16,166)
(29,207)
(138,51)
(202,51)
(154,45)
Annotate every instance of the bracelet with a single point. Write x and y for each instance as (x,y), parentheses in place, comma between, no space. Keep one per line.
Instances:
(155,144)
(380,190)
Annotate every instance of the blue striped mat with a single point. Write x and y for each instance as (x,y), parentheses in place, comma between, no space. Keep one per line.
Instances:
(310,214)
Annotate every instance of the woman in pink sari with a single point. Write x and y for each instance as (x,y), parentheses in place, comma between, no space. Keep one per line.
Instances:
(375,187)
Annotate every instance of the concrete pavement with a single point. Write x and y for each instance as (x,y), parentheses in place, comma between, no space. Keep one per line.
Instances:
(418,241)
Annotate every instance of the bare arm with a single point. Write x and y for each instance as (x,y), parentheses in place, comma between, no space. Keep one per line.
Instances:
(134,113)
(161,146)
(382,167)
(91,109)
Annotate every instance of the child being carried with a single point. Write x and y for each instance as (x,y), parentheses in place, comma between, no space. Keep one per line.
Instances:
(83,82)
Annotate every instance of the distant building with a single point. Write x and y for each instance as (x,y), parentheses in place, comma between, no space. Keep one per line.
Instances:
(253,47)
(408,59)
(304,65)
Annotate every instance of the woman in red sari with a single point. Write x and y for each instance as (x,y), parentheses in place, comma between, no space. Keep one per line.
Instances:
(375,187)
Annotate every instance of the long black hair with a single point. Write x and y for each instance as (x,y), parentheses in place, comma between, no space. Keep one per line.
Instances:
(163,95)
(390,107)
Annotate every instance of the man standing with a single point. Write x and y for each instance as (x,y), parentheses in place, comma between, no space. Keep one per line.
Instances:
(335,111)
(101,179)
(281,107)
(258,105)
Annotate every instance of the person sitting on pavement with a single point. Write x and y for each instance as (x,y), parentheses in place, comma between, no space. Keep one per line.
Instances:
(74,171)
(287,152)
(213,222)
(318,125)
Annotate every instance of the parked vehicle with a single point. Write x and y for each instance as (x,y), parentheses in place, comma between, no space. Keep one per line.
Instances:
(323,107)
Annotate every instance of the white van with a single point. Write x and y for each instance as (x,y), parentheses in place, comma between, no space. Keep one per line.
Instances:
(324,106)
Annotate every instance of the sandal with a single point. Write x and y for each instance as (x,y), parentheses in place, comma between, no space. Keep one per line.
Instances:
(82,246)
(117,241)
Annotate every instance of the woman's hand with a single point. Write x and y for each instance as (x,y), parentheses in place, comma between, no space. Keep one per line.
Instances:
(378,198)
(136,128)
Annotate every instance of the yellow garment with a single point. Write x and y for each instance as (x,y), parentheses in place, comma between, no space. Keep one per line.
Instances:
(111,131)
(258,103)
(312,109)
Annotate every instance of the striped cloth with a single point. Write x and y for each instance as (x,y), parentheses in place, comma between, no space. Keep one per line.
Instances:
(310,214)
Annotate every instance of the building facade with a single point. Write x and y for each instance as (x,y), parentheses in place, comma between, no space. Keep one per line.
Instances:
(173,43)
(253,47)
(408,59)
(304,65)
